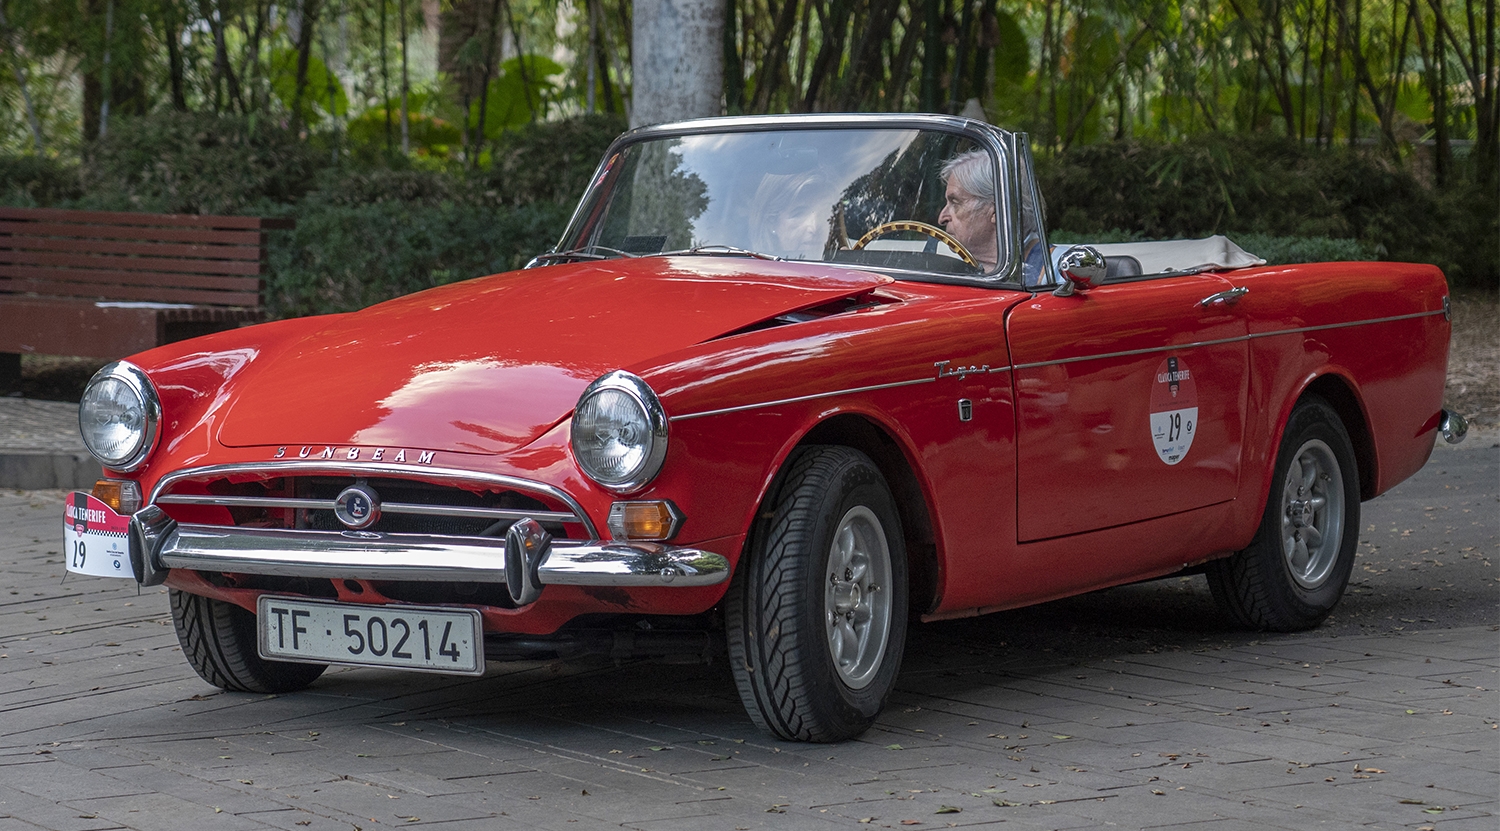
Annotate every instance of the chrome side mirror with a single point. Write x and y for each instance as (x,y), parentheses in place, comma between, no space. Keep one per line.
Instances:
(1082,268)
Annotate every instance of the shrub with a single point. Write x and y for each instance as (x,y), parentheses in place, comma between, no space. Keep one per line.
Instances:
(197,163)
(37,181)
(550,161)
(343,257)
(1281,188)
(1273,249)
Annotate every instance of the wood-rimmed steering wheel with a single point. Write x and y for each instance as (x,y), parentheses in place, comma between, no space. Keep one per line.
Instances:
(922,228)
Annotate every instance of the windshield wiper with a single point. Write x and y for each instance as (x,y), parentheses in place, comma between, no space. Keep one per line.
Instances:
(717,248)
(585,252)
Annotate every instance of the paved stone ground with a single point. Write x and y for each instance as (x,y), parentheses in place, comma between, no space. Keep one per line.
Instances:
(1129,708)
(27,424)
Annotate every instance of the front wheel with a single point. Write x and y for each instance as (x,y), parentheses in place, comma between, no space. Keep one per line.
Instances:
(1297,567)
(816,615)
(219,640)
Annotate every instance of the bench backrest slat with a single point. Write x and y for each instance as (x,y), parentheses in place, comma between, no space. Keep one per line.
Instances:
(210,260)
(146,249)
(101,280)
(128,263)
(129,292)
(141,219)
(126,232)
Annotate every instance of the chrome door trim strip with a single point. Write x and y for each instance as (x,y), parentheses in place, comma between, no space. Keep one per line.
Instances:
(1128,352)
(1196,344)
(1034,365)
(419,472)
(1324,326)
(800,398)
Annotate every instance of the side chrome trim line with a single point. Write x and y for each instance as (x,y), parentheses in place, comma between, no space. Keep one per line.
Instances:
(1300,330)
(800,398)
(1128,352)
(1100,356)
(419,472)
(1196,344)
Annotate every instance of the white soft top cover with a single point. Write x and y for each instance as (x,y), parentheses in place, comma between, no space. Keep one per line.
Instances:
(1215,253)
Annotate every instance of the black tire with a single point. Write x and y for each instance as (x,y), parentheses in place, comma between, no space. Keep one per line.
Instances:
(218,639)
(786,606)
(1296,569)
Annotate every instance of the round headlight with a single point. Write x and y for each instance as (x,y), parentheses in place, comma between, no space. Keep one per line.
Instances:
(118,416)
(619,432)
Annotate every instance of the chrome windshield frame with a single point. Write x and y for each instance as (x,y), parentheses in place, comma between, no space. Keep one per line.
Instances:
(1002,145)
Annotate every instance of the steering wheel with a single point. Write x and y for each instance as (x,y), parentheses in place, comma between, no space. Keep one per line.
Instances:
(922,228)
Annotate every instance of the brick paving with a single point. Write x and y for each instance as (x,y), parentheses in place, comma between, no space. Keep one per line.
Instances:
(1015,718)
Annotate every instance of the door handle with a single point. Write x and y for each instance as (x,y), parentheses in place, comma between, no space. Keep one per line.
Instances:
(1224,298)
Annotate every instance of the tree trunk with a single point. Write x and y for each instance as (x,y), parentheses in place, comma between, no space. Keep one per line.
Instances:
(309,19)
(405,85)
(681,75)
(385,78)
(933,54)
(21,80)
(171,32)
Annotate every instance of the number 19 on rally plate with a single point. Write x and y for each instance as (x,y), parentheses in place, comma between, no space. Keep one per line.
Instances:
(95,538)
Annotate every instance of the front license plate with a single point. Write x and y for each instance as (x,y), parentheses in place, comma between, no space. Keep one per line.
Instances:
(421,638)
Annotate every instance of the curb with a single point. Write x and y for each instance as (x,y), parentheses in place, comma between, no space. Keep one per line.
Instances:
(39,470)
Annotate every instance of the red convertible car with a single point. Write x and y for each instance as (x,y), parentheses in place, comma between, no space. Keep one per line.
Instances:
(784,387)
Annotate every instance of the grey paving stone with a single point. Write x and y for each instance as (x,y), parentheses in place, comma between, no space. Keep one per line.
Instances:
(41,812)
(60,781)
(160,812)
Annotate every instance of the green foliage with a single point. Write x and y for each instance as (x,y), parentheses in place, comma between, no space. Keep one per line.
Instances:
(1284,250)
(518,95)
(322,92)
(431,135)
(1275,187)
(175,162)
(551,161)
(343,257)
(37,181)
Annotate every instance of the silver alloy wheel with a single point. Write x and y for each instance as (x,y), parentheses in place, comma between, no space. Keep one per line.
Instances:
(1312,514)
(857,597)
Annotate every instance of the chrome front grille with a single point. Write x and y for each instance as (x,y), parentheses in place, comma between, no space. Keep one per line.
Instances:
(306,501)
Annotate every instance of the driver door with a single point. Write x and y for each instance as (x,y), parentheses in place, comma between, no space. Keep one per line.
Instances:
(1130,404)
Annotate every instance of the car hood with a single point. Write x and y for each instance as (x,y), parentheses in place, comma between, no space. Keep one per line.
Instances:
(490,364)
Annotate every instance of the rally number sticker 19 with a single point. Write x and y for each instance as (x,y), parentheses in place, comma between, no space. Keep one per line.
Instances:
(95,538)
(1174,410)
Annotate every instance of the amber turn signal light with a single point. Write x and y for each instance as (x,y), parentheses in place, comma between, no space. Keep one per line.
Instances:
(121,495)
(656,519)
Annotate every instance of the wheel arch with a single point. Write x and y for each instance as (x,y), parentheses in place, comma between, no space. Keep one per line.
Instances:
(891,457)
(1341,395)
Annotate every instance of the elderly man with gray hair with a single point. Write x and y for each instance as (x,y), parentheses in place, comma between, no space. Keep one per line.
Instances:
(969,205)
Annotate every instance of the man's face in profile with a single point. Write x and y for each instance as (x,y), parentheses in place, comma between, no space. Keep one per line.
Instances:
(970,220)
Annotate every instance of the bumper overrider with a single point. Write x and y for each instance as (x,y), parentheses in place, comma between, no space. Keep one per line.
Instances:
(525,560)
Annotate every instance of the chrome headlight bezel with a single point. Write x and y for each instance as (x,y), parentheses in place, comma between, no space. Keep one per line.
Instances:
(654,428)
(136,381)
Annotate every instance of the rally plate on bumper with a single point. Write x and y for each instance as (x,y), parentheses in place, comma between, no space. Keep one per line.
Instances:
(419,638)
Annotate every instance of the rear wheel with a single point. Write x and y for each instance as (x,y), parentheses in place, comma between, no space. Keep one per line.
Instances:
(1296,569)
(219,641)
(816,616)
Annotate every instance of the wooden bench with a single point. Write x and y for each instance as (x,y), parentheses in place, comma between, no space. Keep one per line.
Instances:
(105,284)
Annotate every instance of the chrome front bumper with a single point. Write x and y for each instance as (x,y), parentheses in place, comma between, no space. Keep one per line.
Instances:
(526,559)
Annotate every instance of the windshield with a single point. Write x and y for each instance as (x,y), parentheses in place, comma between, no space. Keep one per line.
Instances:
(904,199)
